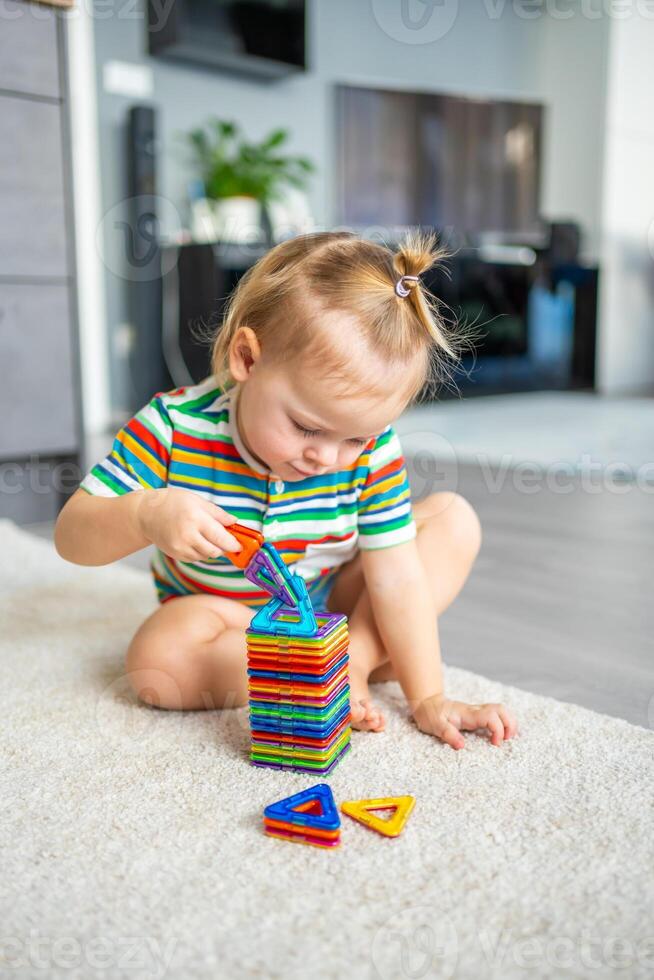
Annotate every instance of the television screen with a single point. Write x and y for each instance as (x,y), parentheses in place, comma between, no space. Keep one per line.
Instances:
(418,158)
(260,37)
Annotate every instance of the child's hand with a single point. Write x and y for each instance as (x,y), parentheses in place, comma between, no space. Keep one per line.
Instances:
(184,525)
(447,719)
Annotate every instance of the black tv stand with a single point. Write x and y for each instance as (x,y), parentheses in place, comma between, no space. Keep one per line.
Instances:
(503,299)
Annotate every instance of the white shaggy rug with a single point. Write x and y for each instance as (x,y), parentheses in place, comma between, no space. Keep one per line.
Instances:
(131,841)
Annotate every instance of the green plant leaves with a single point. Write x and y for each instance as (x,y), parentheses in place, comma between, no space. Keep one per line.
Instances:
(230,166)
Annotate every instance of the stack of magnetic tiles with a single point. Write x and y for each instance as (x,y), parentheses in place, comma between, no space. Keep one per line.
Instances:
(309,817)
(297,668)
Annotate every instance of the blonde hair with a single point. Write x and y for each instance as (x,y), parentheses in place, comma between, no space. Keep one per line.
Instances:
(281,297)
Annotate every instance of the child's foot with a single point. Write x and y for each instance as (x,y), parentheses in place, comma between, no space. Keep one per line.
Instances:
(366,717)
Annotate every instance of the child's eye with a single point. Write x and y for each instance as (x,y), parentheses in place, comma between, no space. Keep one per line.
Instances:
(309,433)
(305,432)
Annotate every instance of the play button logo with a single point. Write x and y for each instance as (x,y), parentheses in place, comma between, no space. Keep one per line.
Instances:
(416,21)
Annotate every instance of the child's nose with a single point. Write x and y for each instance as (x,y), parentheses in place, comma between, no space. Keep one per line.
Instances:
(325,454)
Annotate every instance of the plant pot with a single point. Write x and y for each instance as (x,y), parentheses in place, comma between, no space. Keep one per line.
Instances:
(238,219)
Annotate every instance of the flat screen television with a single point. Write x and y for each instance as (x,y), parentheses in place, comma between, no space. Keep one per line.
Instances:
(464,165)
(264,38)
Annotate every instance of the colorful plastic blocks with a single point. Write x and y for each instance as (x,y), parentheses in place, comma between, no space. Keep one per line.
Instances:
(309,817)
(299,695)
(297,670)
(364,812)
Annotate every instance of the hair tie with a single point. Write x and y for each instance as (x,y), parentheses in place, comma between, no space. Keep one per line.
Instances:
(401,289)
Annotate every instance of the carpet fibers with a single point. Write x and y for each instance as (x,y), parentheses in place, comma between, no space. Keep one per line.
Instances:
(131,839)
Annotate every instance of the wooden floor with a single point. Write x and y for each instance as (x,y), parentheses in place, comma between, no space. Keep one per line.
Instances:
(560,601)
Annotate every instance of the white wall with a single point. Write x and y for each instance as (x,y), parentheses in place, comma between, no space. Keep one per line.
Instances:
(574,54)
(626,336)
(94,367)
(491,49)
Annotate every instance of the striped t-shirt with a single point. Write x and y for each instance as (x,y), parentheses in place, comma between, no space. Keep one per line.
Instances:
(188,438)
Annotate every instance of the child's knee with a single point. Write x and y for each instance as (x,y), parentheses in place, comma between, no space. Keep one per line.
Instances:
(468,526)
(152,671)
(458,515)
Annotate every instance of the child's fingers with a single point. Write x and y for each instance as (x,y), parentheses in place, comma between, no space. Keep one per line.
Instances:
(197,549)
(509,726)
(219,537)
(451,735)
(489,718)
(224,517)
(218,514)
(510,723)
(201,548)
(484,716)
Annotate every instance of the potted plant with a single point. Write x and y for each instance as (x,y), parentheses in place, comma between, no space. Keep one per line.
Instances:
(242,178)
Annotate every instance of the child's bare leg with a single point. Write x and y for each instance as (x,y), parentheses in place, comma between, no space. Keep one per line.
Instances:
(448,541)
(191,653)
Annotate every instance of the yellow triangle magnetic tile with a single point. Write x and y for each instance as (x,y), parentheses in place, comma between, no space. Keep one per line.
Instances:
(363,811)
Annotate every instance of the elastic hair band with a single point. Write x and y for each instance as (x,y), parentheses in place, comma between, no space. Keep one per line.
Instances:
(401,289)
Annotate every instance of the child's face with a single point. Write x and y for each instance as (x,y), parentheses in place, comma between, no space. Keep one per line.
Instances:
(298,428)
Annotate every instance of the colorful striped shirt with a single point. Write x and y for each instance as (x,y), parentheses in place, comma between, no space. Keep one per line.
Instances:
(188,438)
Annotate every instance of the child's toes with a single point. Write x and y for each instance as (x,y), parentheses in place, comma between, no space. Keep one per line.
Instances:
(357,712)
(376,722)
(366,717)
(379,721)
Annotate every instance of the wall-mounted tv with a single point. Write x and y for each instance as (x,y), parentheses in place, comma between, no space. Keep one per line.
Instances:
(463,165)
(264,38)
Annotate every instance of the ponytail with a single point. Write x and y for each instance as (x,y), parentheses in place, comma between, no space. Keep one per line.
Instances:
(284,296)
(419,252)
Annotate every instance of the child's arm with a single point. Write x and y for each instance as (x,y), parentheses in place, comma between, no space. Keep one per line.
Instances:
(97,530)
(406,619)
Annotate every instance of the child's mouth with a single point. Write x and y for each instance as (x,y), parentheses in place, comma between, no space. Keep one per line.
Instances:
(301,472)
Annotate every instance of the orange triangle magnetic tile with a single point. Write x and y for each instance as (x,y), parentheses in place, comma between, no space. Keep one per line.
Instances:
(273,825)
(250,541)
(363,812)
(304,839)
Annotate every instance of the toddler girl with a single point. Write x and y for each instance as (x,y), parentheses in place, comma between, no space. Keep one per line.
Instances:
(325,342)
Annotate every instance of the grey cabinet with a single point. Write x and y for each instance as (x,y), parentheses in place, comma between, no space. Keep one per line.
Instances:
(33,232)
(29,59)
(40,425)
(37,393)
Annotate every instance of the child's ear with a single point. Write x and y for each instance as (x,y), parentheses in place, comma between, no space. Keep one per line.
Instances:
(244,352)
